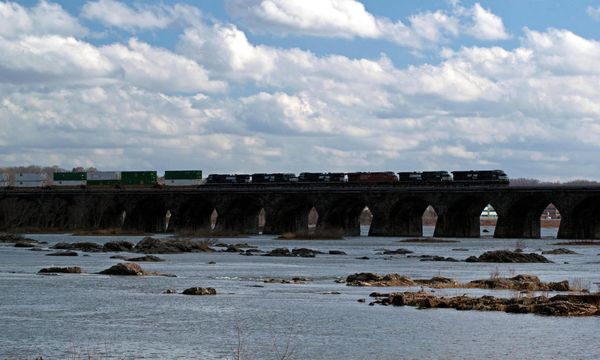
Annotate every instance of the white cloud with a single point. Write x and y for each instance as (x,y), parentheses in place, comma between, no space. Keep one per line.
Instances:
(594,12)
(486,25)
(349,19)
(140,17)
(43,19)
(160,69)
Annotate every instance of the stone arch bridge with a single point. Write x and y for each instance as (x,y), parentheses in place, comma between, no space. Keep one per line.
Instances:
(397,211)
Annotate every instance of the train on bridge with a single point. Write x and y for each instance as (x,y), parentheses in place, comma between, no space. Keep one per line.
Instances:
(193,178)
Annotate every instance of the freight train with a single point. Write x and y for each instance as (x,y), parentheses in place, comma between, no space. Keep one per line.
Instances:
(191,178)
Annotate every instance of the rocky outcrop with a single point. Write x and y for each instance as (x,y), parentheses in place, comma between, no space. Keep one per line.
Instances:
(15,238)
(559,305)
(146,258)
(520,282)
(63,253)
(22,244)
(117,246)
(399,251)
(200,291)
(300,252)
(436,258)
(81,246)
(120,257)
(507,256)
(62,270)
(372,279)
(336,252)
(294,280)
(149,245)
(124,269)
(559,251)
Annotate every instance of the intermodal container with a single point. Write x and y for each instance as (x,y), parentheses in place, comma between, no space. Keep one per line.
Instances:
(183,175)
(69,182)
(138,178)
(183,182)
(69,176)
(103,175)
(30,177)
(30,184)
(103,182)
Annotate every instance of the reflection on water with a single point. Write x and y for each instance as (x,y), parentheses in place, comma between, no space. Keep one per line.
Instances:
(129,317)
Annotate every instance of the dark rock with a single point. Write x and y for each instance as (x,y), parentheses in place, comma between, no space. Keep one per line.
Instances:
(438,258)
(460,249)
(559,251)
(170,291)
(124,269)
(200,291)
(336,252)
(62,270)
(304,252)
(120,257)
(362,258)
(81,246)
(149,245)
(372,279)
(232,248)
(21,244)
(117,246)
(15,238)
(211,263)
(361,300)
(279,252)
(507,256)
(146,258)
(63,253)
(399,251)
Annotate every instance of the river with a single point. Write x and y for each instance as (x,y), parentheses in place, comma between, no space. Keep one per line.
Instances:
(106,317)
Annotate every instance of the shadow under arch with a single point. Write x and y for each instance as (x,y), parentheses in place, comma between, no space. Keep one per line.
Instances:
(147,215)
(191,215)
(288,214)
(241,215)
(343,214)
(583,221)
(522,218)
(461,218)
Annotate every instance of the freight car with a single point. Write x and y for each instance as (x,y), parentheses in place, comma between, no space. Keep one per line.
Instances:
(307,177)
(183,177)
(228,179)
(385,177)
(425,177)
(260,178)
(480,177)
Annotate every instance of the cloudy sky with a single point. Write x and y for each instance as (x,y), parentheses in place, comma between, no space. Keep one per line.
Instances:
(303,85)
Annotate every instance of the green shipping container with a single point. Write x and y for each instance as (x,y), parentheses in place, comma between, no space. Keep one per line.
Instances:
(183,174)
(138,177)
(69,176)
(103,182)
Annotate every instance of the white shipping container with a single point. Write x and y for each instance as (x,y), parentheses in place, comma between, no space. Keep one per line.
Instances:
(30,177)
(104,175)
(30,184)
(183,182)
(69,182)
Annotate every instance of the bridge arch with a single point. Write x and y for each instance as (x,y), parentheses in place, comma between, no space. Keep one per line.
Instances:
(406,216)
(521,219)
(461,217)
(148,214)
(192,214)
(583,220)
(240,215)
(288,214)
(343,214)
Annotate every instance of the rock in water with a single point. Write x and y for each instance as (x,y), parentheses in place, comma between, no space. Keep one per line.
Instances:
(507,256)
(63,253)
(147,258)
(559,251)
(117,246)
(200,291)
(62,270)
(81,246)
(126,269)
(149,245)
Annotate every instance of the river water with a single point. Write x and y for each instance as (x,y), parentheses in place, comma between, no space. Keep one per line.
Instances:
(73,316)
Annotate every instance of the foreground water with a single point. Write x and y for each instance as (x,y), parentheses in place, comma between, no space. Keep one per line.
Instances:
(73,316)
